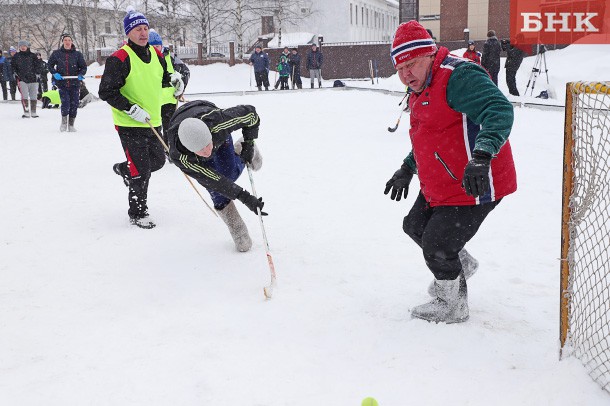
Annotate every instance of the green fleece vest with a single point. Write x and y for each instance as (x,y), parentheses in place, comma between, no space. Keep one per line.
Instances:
(167,96)
(142,87)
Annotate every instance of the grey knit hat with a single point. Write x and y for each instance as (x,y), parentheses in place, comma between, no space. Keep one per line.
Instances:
(194,134)
(23,42)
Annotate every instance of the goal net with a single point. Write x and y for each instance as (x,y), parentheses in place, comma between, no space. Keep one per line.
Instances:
(585,251)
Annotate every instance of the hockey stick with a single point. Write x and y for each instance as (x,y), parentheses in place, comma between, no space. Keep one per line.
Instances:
(267,290)
(392,129)
(85,76)
(185,175)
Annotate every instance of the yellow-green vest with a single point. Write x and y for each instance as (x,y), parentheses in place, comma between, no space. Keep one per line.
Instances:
(167,93)
(53,96)
(142,86)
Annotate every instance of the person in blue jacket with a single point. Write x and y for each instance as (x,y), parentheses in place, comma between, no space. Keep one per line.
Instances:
(9,76)
(67,61)
(260,61)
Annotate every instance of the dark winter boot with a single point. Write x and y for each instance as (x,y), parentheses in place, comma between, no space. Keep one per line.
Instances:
(469,267)
(237,227)
(319,85)
(257,159)
(71,124)
(450,304)
(143,221)
(33,109)
(260,88)
(312,85)
(64,124)
(117,169)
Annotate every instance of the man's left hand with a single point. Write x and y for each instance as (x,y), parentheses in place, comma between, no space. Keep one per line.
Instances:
(476,174)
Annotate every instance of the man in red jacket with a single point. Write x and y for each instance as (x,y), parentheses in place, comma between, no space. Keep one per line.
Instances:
(460,123)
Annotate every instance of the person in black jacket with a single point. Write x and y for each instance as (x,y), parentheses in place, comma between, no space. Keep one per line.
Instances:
(43,80)
(294,60)
(201,145)
(131,84)
(27,68)
(314,64)
(67,61)
(491,56)
(514,58)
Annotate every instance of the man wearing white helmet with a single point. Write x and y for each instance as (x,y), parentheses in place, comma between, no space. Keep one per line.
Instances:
(201,145)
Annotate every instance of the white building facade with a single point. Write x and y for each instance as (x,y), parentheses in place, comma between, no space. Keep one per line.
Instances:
(351,20)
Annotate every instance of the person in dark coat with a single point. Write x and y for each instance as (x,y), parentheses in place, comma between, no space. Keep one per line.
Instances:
(491,56)
(260,61)
(43,80)
(294,60)
(283,68)
(67,61)
(9,75)
(514,58)
(315,59)
(2,79)
(27,68)
(201,145)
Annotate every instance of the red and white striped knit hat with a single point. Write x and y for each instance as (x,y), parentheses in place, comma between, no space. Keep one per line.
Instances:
(410,41)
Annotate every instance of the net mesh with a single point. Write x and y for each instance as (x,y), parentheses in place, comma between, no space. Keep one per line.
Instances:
(589,231)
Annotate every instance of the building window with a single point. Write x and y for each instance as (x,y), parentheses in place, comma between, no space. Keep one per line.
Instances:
(367,17)
(351,17)
(107,27)
(356,14)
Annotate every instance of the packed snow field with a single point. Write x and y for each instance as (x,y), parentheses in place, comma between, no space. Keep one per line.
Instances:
(95,311)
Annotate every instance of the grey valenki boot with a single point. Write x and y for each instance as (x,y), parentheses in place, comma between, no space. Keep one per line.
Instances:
(71,124)
(257,159)
(450,304)
(33,109)
(64,124)
(237,227)
(469,267)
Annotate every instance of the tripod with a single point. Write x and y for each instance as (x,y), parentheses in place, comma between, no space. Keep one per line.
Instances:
(539,63)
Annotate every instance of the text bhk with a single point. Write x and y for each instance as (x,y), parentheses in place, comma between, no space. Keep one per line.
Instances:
(558,22)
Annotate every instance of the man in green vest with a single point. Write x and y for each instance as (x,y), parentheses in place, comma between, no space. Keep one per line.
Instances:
(131,84)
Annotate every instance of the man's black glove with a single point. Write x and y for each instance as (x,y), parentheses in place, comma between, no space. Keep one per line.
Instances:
(476,174)
(247,151)
(251,202)
(399,183)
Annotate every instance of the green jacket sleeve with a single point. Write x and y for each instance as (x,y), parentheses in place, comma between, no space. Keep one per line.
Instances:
(471,91)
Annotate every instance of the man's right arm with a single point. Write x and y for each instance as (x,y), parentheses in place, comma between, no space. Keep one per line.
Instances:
(208,178)
(115,73)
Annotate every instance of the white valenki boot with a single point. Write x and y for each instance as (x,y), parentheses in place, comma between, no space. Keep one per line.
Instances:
(237,227)
(469,267)
(450,304)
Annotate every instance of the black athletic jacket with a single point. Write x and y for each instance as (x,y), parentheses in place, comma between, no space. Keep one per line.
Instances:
(26,66)
(116,71)
(221,123)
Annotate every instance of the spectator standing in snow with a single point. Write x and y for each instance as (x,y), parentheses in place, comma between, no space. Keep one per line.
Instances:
(67,61)
(314,64)
(260,62)
(131,84)
(472,54)
(201,145)
(9,75)
(43,80)
(460,123)
(491,56)
(27,68)
(514,58)
(283,68)
(294,61)
(169,100)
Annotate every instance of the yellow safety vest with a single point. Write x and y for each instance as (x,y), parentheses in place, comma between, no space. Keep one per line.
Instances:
(167,96)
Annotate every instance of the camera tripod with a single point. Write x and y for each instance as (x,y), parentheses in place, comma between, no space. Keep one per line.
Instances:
(539,64)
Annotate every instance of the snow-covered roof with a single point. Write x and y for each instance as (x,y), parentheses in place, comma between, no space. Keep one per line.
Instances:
(292,39)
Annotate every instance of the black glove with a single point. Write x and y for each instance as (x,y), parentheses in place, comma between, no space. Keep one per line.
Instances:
(399,183)
(476,174)
(251,202)
(247,151)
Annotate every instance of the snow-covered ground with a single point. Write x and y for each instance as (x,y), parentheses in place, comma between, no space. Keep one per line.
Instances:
(94,311)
